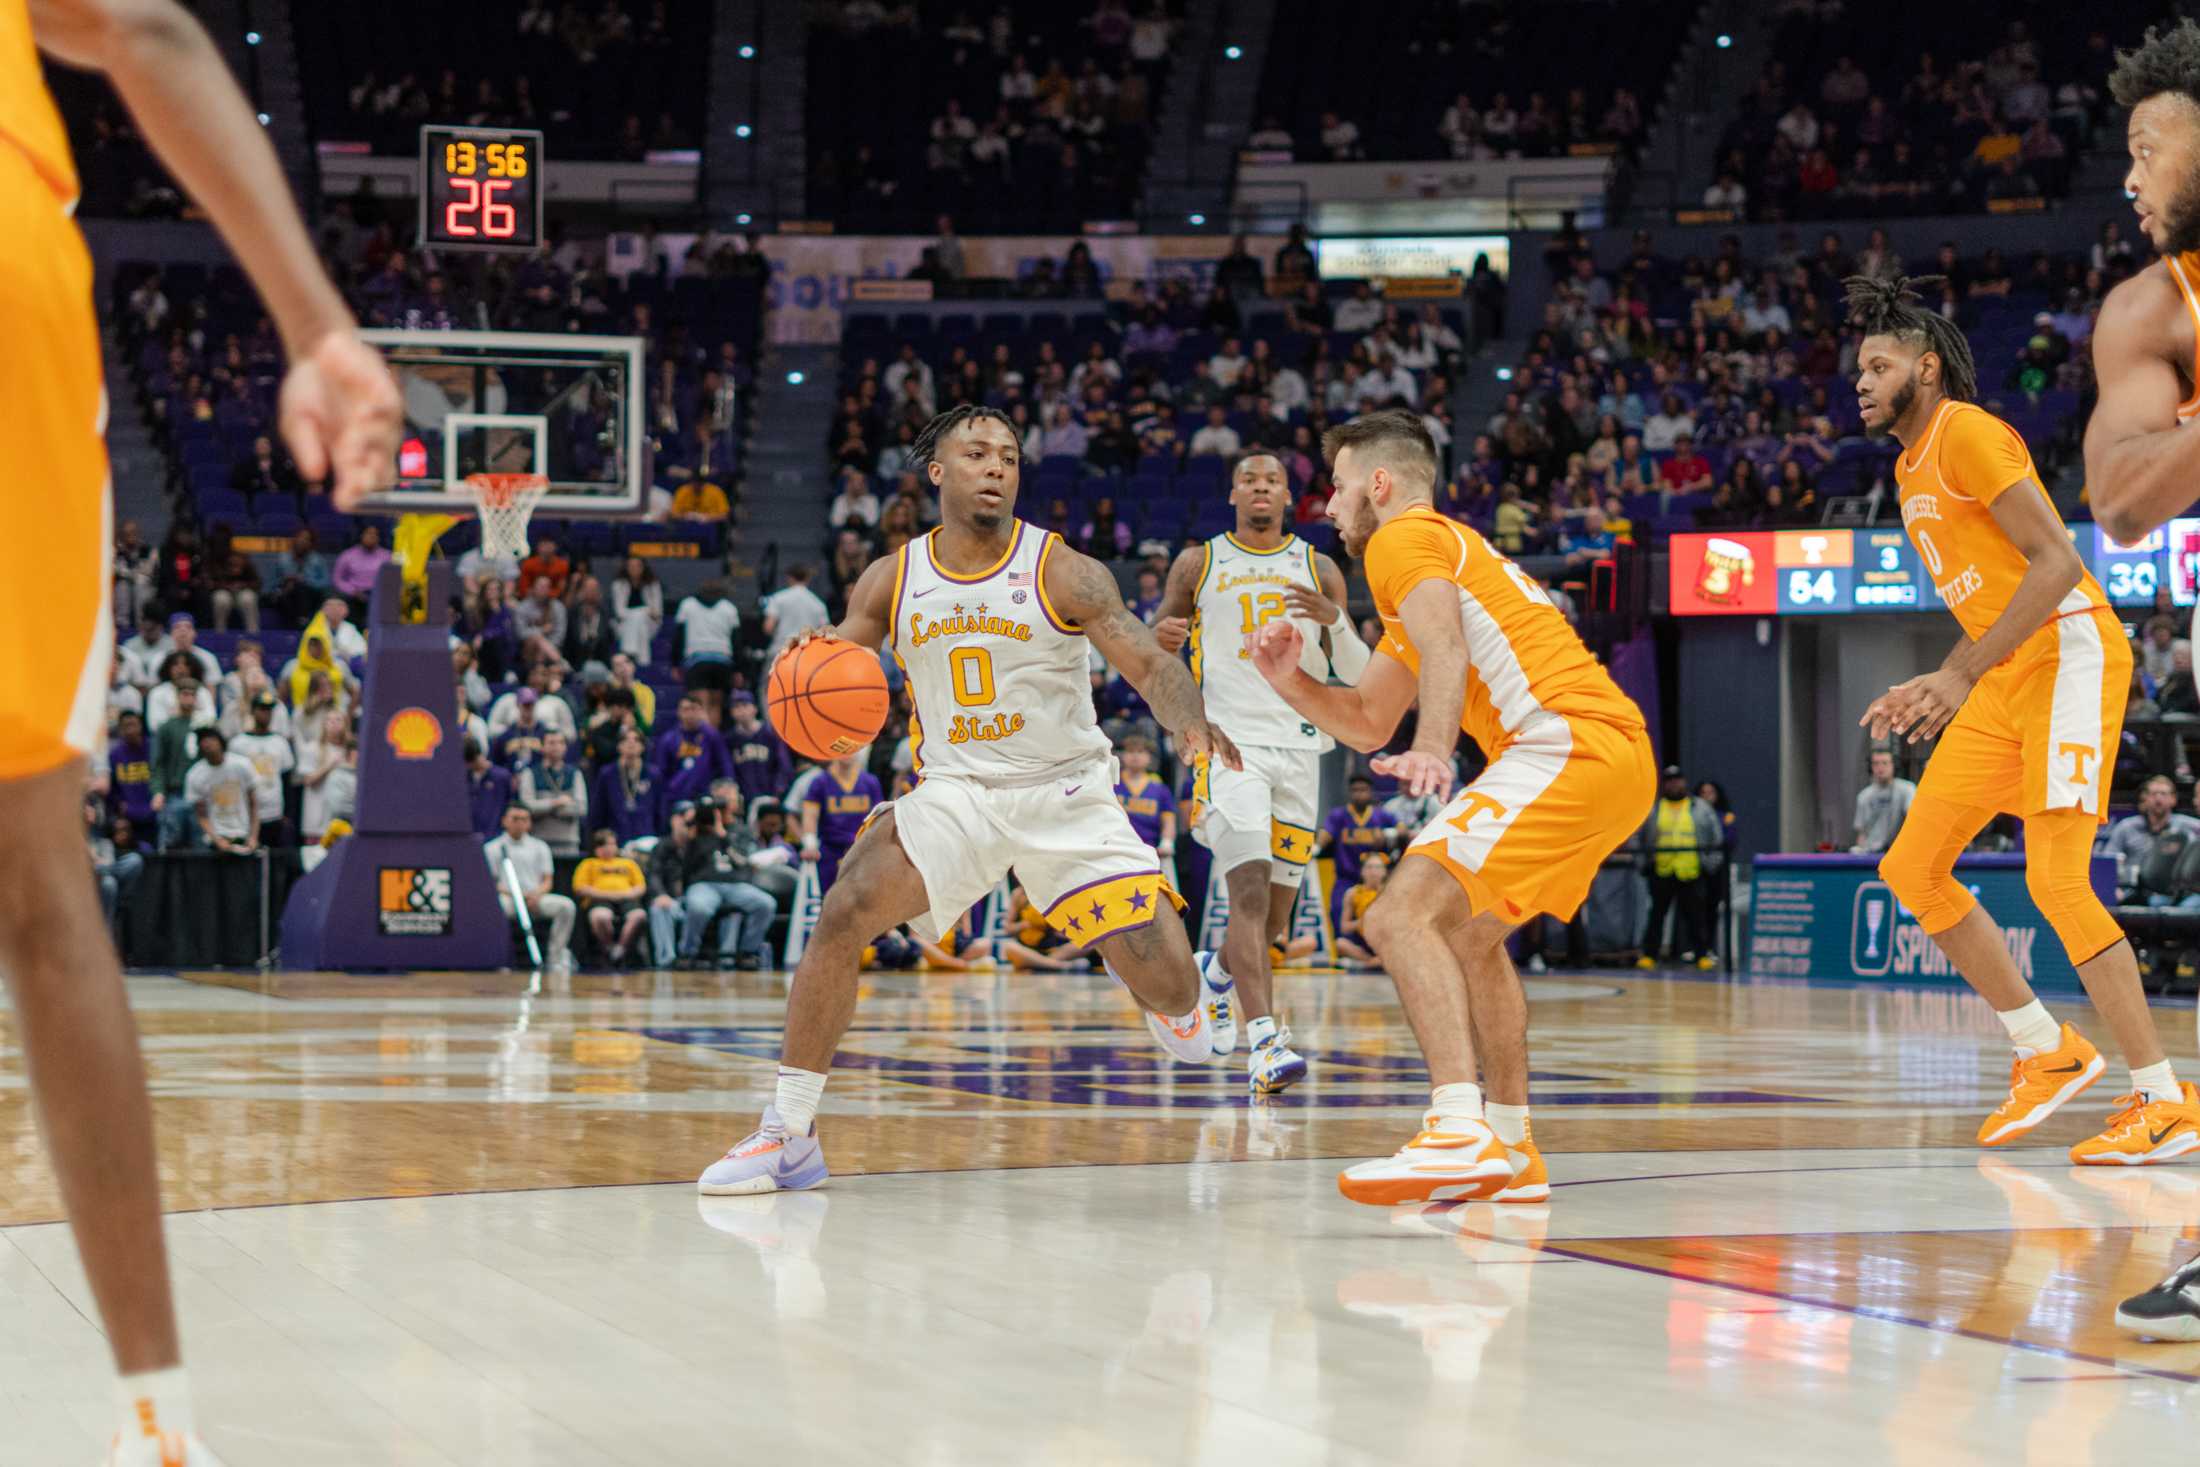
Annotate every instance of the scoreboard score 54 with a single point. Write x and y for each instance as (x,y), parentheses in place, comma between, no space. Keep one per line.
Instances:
(480,188)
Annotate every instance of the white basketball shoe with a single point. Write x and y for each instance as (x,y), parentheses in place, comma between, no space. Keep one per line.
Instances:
(159,1449)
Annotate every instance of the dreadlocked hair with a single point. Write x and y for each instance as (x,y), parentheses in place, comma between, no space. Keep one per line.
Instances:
(1888,305)
(926,449)
(2167,60)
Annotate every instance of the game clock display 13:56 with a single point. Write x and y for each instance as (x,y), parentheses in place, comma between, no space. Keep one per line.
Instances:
(480,188)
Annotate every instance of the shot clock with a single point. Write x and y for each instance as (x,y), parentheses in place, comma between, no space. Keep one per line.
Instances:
(480,188)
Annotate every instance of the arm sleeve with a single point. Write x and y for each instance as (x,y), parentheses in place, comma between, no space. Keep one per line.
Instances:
(1981,457)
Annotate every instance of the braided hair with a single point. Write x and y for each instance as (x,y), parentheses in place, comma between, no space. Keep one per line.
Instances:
(925,451)
(1888,305)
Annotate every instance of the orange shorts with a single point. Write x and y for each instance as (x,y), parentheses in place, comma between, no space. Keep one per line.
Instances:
(2040,730)
(1530,835)
(56,626)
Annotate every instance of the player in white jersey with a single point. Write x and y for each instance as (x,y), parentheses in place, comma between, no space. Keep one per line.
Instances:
(989,618)
(1260,820)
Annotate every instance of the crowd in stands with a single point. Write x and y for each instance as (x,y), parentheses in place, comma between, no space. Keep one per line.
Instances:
(1036,118)
(609,79)
(207,363)
(1131,411)
(1712,391)
(1513,79)
(1920,110)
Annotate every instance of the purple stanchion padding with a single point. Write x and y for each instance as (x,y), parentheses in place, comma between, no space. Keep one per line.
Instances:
(408,888)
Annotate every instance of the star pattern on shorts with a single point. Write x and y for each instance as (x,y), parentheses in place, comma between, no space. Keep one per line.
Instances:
(1098,909)
(1140,900)
(1076,923)
(1290,844)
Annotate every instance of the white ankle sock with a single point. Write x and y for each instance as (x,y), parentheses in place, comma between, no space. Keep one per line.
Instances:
(797,1097)
(1510,1122)
(2156,1082)
(2032,1029)
(162,1395)
(1461,1102)
(1260,1030)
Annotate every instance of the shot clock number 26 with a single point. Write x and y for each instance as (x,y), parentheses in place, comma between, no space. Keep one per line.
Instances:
(480,188)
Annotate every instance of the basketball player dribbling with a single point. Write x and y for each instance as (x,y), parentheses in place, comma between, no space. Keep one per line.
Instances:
(1570,780)
(2142,464)
(990,620)
(339,415)
(1258,821)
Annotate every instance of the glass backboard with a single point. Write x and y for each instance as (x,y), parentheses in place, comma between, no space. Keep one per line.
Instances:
(568,407)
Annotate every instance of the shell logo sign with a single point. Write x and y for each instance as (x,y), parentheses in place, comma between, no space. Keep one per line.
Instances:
(414,733)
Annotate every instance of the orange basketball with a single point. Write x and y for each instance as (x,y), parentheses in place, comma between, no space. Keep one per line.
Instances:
(827,697)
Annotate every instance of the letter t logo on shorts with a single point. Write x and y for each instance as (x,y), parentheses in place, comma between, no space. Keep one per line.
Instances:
(2079,754)
(1473,803)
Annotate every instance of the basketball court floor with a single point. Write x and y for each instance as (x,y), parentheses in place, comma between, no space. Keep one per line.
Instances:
(433,1220)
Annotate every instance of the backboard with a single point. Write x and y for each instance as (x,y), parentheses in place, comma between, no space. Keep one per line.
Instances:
(568,407)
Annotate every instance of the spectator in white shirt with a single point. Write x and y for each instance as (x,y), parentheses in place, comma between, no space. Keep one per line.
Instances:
(267,752)
(1064,436)
(1341,136)
(855,504)
(908,364)
(534,868)
(551,713)
(1663,428)
(1287,390)
(222,791)
(1799,125)
(1461,127)
(555,794)
(1361,313)
(1271,137)
(1228,364)
(1500,123)
(1727,193)
(1388,383)
(708,620)
(790,611)
(184,634)
(144,653)
(344,639)
(1217,438)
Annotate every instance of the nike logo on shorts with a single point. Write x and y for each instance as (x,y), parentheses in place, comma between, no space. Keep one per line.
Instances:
(1073,789)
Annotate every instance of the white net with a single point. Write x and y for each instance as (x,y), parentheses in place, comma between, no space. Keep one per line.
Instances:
(506,502)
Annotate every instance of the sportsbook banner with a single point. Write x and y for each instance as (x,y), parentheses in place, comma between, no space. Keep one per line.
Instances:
(1830,916)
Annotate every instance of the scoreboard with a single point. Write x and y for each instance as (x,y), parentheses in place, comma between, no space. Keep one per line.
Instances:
(480,188)
(1837,571)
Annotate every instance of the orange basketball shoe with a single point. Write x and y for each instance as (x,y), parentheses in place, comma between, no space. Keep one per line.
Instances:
(2038,1087)
(1529,1181)
(2145,1131)
(1435,1166)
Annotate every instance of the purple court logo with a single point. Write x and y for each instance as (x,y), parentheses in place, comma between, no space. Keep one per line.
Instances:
(414,733)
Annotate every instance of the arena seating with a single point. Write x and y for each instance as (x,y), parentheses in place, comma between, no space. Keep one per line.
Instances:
(885,153)
(1394,80)
(1168,494)
(208,387)
(1899,138)
(608,82)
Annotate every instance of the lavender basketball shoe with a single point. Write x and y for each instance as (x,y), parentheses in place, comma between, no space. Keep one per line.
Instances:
(768,1160)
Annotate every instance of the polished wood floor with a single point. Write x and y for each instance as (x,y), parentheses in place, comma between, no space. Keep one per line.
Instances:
(434,1218)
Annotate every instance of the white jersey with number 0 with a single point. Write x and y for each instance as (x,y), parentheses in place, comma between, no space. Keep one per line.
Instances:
(999,681)
(1241,590)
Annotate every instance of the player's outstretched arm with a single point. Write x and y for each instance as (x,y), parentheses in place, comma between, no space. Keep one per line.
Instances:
(339,407)
(1172,622)
(1362,716)
(1329,610)
(2141,469)
(1081,589)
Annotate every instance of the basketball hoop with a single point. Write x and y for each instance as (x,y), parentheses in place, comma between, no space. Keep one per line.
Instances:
(505,503)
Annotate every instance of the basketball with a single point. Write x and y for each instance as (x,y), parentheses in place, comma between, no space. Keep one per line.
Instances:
(827,697)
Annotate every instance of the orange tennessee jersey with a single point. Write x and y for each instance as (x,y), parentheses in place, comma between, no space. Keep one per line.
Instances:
(2185,270)
(1522,657)
(1967,460)
(28,120)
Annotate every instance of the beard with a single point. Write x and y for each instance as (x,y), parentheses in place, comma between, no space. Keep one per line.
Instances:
(1905,398)
(2181,220)
(1360,529)
(1260,521)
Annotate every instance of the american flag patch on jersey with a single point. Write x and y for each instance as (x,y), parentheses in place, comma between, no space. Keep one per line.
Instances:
(1020,578)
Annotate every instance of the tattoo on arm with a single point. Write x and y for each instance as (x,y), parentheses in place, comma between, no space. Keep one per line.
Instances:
(1086,592)
(1183,584)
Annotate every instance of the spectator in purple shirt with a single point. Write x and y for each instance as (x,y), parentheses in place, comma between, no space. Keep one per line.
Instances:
(1146,799)
(1352,830)
(488,792)
(130,776)
(690,756)
(839,800)
(761,764)
(352,577)
(628,795)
